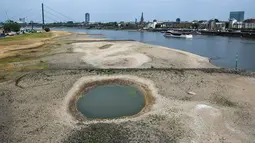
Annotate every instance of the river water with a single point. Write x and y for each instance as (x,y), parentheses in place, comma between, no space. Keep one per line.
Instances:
(221,50)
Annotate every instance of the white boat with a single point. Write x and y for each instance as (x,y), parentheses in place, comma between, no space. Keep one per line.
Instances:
(177,34)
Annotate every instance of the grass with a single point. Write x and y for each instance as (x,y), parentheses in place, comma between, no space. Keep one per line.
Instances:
(39,66)
(36,66)
(17,58)
(11,71)
(27,36)
(25,55)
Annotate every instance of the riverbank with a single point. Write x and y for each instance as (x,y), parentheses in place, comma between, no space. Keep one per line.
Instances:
(221,108)
(249,35)
(194,102)
(241,34)
(12,46)
(100,53)
(221,50)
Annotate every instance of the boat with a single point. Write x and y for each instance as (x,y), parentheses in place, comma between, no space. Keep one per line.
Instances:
(178,34)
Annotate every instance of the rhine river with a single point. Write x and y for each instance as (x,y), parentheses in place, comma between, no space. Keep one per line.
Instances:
(222,51)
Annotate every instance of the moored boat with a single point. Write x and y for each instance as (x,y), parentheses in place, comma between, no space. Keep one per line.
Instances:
(177,34)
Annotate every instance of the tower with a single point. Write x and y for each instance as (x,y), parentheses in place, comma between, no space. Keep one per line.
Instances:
(87,18)
(142,19)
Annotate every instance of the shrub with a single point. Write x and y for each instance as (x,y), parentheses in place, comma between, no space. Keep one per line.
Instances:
(47,29)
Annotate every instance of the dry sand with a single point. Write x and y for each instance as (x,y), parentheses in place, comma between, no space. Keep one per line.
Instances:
(221,111)
(84,52)
(221,108)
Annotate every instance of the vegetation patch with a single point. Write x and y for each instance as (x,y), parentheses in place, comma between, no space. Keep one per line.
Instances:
(39,66)
(11,71)
(17,58)
(27,36)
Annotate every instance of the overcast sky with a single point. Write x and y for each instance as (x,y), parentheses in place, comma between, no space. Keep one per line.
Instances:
(124,10)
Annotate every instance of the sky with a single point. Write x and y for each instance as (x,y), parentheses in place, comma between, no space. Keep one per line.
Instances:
(123,10)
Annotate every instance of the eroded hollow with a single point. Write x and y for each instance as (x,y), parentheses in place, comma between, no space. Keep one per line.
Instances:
(110,98)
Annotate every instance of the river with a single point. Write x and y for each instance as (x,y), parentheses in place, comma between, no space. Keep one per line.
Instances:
(221,50)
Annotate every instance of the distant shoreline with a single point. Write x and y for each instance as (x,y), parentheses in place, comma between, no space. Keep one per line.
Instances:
(248,35)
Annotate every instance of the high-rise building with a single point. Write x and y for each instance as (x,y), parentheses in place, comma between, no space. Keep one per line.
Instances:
(87,18)
(238,15)
(178,20)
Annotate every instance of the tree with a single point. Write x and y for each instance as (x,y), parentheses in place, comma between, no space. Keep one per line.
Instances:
(216,20)
(11,26)
(158,25)
(195,25)
(69,22)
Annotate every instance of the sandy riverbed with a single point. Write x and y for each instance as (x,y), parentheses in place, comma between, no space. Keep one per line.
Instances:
(86,52)
(221,110)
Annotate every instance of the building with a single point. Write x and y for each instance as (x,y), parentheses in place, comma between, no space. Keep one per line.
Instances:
(142,19)
(141,24)
(238,15)
(249,24)
(87,18)
(231,23)
(212,24)
(178,20)
(203,24)
(238,25)
(221,26)
(151,24)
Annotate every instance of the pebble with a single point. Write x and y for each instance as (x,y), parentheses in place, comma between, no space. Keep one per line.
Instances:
(191,93)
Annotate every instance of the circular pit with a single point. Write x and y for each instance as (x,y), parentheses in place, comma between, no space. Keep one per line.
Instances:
(110,99)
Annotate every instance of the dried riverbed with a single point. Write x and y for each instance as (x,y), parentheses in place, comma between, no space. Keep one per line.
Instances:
(220,108)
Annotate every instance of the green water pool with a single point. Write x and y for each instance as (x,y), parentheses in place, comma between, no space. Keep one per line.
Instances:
(111,101)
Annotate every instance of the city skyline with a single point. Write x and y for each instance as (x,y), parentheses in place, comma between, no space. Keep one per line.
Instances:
(113,10)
